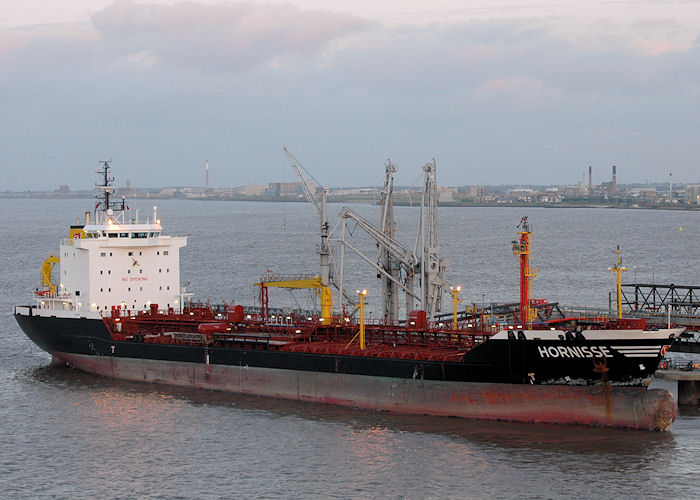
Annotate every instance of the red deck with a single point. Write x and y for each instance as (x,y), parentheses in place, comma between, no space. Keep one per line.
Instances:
(200,325)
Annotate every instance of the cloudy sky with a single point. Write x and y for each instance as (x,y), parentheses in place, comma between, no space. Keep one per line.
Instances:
(498,91)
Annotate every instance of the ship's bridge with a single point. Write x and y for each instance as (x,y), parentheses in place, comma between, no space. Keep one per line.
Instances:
(122,231)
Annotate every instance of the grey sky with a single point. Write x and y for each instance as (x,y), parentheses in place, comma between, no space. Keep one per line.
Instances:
(497,92)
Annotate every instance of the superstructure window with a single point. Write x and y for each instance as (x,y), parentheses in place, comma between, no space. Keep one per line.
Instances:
(131,253)
(113,235)
(103,254)
(139,235)
(123,235)
(165,252)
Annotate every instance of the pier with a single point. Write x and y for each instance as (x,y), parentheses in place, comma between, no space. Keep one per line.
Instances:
(688,384)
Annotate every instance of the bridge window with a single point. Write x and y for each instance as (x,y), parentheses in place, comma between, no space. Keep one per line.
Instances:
(113,235)
(123,235)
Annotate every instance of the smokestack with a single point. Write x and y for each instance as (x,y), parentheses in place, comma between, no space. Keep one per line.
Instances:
(207,174)
(670,186)
(614,179)
(590,179)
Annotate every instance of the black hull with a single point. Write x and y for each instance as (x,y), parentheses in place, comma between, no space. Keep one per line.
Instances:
(502,361)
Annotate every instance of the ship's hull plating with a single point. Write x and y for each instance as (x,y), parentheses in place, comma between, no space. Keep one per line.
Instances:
(481,389)
(630,407)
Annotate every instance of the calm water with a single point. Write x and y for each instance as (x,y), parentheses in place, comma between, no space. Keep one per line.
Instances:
(64,434)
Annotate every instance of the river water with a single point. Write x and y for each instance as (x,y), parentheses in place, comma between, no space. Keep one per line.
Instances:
(66,434)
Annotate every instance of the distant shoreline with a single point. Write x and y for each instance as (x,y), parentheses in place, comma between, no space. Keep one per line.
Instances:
(370,201)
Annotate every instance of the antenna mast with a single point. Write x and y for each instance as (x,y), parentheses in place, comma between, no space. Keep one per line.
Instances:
(105,189)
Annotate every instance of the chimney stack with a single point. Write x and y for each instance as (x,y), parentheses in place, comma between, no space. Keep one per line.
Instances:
(207,174)
(590,179)
(614,179)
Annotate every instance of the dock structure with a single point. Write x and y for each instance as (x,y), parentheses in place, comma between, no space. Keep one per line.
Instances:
(656,298)
(688,384)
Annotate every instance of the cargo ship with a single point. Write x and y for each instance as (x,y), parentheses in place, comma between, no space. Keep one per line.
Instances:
(118,310)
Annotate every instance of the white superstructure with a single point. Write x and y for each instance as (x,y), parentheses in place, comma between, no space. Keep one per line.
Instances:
(116,260)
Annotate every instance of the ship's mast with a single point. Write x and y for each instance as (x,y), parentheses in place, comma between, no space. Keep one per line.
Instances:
(105,189)
(618,268)
(324,251)
(111,210)
(522,250)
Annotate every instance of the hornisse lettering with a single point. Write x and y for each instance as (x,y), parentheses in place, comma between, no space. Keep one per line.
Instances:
(574,352)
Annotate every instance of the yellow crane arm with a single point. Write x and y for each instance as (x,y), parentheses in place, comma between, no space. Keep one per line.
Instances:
(46,268)
(314,283)
(298,283)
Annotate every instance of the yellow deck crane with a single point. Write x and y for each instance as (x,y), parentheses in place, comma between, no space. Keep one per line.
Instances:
(46,269)
(294,282)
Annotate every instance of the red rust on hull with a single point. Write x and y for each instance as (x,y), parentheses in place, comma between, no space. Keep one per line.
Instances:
(625,407)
